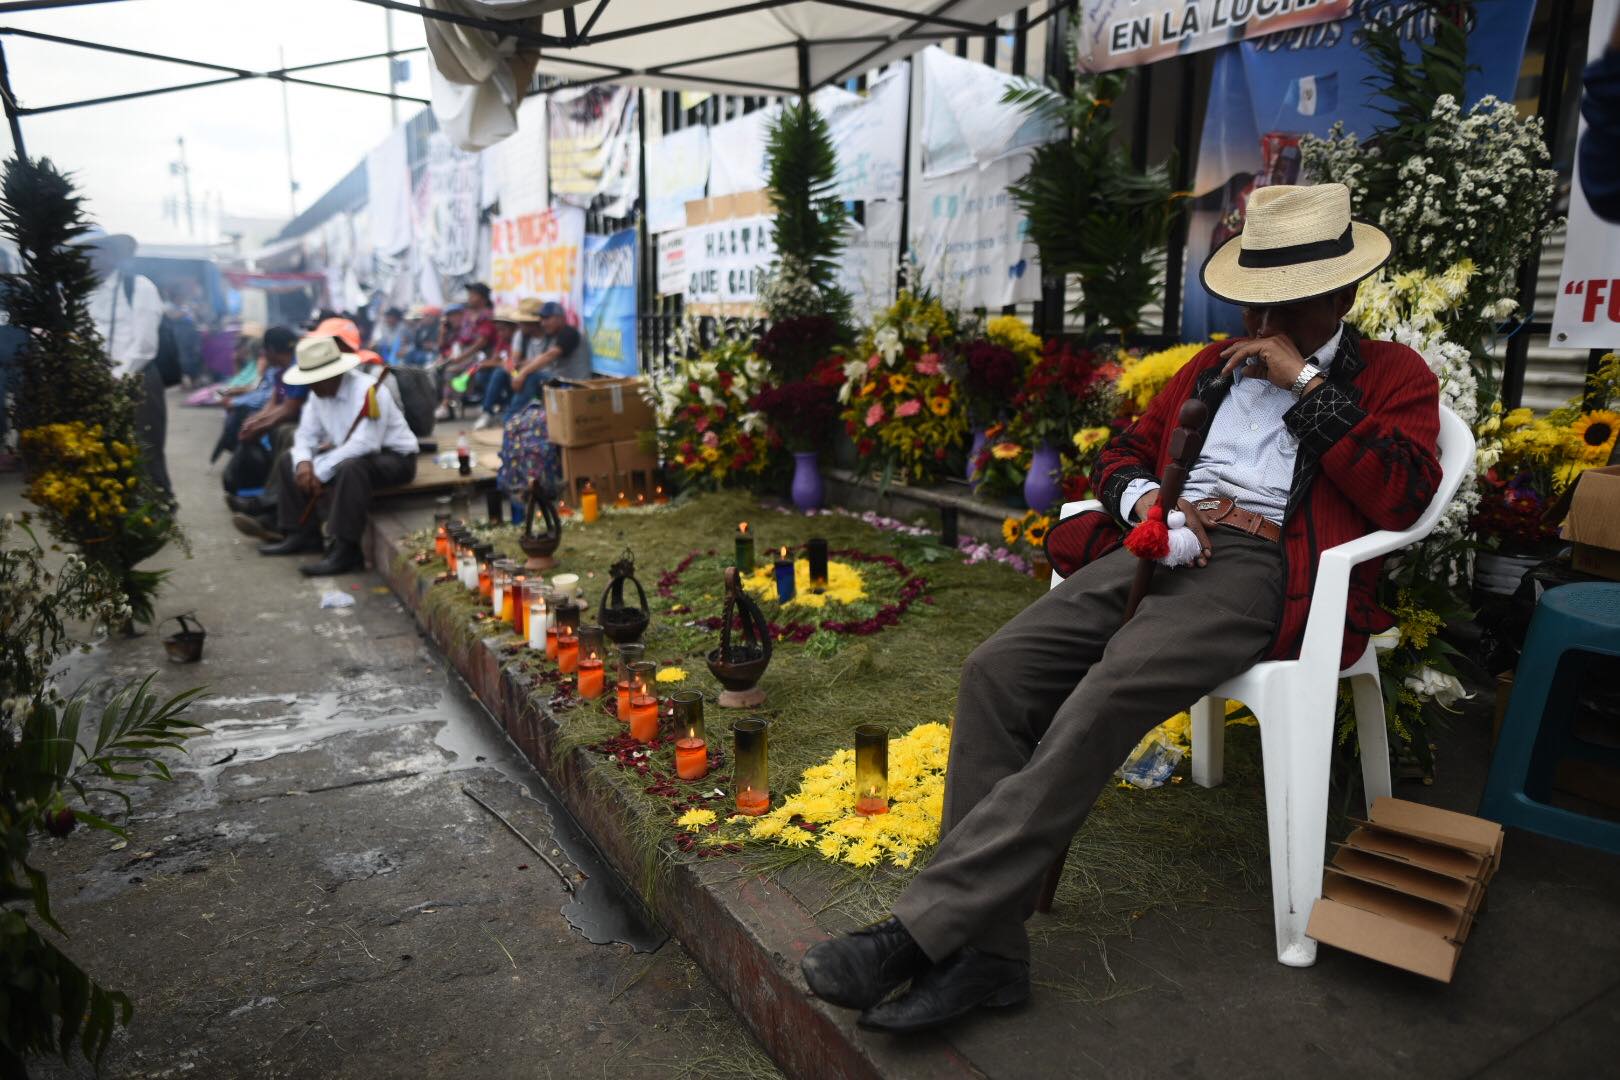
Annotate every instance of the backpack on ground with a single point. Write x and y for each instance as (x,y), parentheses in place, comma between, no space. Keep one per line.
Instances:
(526,453)
(249,466)
(416,396)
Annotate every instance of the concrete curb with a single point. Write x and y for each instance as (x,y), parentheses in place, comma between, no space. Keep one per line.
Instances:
(746,933)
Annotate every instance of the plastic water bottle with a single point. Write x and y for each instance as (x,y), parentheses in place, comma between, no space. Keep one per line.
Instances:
(463,455)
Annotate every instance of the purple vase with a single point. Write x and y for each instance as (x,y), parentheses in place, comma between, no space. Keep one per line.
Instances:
(979,439)
(807,488)
(1042,490)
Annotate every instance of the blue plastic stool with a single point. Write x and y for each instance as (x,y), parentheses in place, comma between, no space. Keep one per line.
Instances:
(1573,625)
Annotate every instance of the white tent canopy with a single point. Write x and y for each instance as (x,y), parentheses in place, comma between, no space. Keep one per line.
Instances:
(769,47)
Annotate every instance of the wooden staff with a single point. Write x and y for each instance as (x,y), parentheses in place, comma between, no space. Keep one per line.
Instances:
(1185,442)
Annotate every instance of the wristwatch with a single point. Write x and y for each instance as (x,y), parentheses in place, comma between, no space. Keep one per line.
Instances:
(1306,374)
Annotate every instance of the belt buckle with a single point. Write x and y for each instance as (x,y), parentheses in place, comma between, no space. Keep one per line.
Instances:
(1207,504)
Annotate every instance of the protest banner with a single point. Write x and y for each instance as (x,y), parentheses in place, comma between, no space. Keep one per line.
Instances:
(677,173)
(1124,33)
(727,250)
(867,268)
(1587,315)
(971,240)
(539,255)
(869,136)
(610,302)
(454,188)
(593,146)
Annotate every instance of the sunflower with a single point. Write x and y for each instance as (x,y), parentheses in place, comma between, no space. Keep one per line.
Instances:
(1036,533)
(1011,530)
(899,384)
(940,405)
(1595,434)
(1005,451)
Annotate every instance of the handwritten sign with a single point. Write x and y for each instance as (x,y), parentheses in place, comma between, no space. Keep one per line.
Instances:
(539,255)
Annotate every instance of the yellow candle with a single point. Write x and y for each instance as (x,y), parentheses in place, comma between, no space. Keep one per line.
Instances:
(590,678)
(588,506)
(567,653)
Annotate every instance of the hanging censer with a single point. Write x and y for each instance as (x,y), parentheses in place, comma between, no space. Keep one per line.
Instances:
(739,665)
(623,623)
(540,548)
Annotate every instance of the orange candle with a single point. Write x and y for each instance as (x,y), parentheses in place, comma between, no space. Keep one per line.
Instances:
(551,643)
(691,759)
(590,678)
(506,606)
(441,542)
(753,801)
(621,501)
(867,805)
(567,652)
(643,717)
(624,699)
(486,587)
(659,497)
(588,504)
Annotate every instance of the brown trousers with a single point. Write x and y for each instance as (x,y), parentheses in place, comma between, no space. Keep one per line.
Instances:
(1049,707)
(346,501)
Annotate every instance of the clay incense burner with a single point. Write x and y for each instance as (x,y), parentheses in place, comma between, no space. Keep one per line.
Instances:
(540,547)
(621,622)
(739,665)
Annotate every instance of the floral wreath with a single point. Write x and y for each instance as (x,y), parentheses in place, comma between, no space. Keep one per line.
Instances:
(913,587)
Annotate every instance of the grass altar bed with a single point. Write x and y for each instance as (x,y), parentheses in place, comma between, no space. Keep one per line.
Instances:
(1165,850)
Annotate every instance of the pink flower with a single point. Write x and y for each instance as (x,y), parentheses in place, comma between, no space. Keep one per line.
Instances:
(929,364)
(711,439)
(872,363)
(702,424)
(874,415)
(908,408)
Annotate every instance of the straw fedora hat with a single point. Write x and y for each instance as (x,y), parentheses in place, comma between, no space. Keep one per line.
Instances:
(1298,243)
(319,359)
(529,309)
(508,315)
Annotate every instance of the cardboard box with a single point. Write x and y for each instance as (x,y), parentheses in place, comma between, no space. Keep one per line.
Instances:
(1593,522)
(596,411)
(1404,887)
(611,467)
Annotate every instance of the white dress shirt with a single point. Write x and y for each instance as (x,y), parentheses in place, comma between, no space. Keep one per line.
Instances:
(128,326)
(1248,455)
(325,422)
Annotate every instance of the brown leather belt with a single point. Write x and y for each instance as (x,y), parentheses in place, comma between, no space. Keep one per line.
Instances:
(1230,514)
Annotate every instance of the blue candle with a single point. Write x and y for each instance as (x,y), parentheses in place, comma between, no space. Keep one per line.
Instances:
(784,578)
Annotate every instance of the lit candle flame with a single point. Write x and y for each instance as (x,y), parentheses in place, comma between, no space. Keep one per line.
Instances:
(621,494)
(784,553)
(659,490)
(742,526)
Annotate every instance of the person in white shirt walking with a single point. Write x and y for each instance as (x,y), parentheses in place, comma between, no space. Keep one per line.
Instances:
(128,313)
(352,439)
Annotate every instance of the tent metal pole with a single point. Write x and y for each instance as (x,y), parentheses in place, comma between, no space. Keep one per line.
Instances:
(647,291)
(860,62)
(19,6)
(1176,253)
(132,96)
(11,107)
(1058,69)
(802,48)
(903,247)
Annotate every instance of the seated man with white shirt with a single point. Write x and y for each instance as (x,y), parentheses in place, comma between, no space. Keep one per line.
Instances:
(352,439)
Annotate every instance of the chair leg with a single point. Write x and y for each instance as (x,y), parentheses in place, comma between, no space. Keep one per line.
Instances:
(1209,741)
(1054,873)
(1296,740)
(1373,734)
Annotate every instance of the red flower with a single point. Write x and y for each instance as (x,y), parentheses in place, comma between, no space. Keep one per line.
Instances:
(865,447)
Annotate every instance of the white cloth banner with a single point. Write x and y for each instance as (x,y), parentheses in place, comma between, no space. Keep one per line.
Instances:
(869,135)
(970,238)
(963,120)
(677,171)
(672,263)
(737,153)
(454,190)
(1587,313)
(388,179)
(594,147)
(539,255)
(725,261)
(870,261)
(515,168)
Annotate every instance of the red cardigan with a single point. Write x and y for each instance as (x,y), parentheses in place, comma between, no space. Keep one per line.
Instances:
(1367,461)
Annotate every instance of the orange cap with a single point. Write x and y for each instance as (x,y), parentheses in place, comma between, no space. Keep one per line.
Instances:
(343,329)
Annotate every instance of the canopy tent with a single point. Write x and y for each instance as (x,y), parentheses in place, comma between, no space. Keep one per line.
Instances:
(483,49)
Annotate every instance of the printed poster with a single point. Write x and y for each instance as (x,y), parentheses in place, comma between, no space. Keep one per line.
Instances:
(454,190)
(593,147)
(539,255)
(971,240)
(1269,92)
(610,302)
(1124,33)
(672,262)
(1587,315)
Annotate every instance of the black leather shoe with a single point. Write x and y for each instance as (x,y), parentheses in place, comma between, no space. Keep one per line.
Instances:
(298,543)
(963,982)
(248,525)
(861,969)
(251,505)
(342,558)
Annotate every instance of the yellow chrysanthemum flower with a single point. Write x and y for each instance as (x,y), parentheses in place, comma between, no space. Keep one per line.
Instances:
(1088,439)
(696,818)
(1005,451)
(1143,378)
(671,674)
(845,585)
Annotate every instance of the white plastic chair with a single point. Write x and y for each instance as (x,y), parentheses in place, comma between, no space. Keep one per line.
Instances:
(1294,701)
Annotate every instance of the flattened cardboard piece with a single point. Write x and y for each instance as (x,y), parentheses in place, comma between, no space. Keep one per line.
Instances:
(1373,838)
(1440,826)
(1386,940)
(1459,893)
(1594,509)
(1433,919)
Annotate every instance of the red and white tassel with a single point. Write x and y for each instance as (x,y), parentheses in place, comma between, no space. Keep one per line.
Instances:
(1150,539)
(1184,547)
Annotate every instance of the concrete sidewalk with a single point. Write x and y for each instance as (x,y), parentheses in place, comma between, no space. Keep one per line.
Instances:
(315,896)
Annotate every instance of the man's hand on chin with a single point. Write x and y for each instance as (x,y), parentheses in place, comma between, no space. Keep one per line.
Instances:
(1275,359)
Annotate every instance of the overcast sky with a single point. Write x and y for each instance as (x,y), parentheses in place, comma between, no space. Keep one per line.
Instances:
(121,153)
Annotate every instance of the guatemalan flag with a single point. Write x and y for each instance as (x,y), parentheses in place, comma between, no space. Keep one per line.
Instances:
(1312,94)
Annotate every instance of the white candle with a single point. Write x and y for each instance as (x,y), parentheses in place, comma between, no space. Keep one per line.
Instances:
(468,571)
(539,622)
(497,594)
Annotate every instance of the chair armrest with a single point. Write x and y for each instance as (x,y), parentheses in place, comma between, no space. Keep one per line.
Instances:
(1324,627)
(1071,509)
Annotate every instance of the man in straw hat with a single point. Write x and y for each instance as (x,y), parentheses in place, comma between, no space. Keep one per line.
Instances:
(351,439)
(1316,437)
